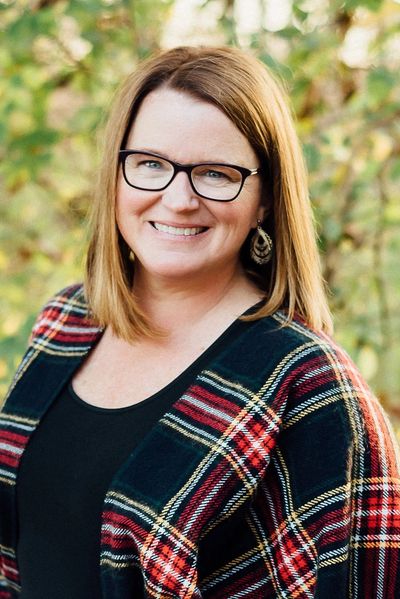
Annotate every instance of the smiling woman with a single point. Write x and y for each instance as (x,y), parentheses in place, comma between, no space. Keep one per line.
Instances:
(151,215)
(183,419)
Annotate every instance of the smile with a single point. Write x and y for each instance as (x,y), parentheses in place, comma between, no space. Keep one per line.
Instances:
(187,231)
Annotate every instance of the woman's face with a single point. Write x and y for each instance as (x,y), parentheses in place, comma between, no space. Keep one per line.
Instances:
(186,130)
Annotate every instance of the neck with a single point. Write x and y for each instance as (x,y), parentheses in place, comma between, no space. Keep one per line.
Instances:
(172,305)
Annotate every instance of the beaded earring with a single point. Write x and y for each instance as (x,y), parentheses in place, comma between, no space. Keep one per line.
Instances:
(261,246)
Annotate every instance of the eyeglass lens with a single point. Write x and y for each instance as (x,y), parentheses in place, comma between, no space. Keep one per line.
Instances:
(153,173)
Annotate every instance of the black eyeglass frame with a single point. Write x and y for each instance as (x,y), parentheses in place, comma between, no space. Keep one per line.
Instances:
(187,168)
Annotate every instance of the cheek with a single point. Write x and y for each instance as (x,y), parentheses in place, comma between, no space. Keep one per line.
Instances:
(249,211)
(126,203)
(239,219)
(125,211)
(133,202)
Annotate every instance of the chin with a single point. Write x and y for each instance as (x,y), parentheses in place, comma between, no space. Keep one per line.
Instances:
(171,269)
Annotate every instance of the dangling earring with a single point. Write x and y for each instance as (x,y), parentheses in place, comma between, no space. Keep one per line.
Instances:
(261,246)
(131,256)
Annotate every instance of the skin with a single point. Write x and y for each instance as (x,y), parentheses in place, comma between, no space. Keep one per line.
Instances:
(187,130)
(192,287)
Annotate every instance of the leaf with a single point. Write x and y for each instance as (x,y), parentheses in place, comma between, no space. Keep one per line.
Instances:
(373,5)
(380,83)
(312,155)
(299,13)
(394,171)
(34,142)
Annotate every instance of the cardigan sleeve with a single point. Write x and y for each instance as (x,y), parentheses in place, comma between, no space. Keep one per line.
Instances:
(326,513)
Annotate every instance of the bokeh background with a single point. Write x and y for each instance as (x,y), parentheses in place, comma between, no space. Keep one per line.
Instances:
(61,61)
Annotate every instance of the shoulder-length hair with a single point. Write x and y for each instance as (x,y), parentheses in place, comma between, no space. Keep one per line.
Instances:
(243,88)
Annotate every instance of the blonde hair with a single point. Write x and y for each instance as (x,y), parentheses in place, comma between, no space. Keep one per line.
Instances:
(243,88)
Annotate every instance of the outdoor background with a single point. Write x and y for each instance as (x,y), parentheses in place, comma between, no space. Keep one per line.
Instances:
(60,62)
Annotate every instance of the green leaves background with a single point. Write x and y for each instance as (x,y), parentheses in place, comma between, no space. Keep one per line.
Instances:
(60,62)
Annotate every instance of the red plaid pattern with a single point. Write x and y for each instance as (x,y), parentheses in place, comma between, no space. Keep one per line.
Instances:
(275,475)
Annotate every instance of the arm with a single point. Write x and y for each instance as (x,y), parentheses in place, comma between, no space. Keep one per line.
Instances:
(326,514)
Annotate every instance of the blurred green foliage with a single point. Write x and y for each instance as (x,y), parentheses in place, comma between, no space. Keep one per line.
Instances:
(60,62)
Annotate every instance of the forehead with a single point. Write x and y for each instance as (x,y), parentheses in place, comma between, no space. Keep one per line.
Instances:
(185,128)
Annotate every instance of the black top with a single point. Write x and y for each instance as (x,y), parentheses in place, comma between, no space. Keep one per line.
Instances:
(64,475)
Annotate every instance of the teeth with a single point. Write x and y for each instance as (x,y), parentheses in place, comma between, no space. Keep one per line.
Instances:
(177,230)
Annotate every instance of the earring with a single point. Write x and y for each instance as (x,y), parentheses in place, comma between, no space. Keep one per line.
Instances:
(131,256)
(261,246)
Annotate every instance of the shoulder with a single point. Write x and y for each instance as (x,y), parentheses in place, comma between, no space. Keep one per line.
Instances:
(64,321)
(296,344)
(295,339)
(323,384)
(294,361)
(310,363)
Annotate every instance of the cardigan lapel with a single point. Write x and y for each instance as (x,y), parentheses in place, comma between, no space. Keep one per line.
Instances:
(197,465)
(38,382)
(61,339)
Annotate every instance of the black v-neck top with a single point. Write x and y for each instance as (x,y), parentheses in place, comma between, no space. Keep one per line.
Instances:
(64,475)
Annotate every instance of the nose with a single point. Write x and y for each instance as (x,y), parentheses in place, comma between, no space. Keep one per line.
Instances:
(179,195)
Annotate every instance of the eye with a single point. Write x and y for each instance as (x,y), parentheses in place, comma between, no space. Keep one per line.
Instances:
(146,163)
(151,164)
(214,174)
(217,175)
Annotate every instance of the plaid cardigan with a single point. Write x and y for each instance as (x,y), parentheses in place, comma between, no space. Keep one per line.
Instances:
(274,475)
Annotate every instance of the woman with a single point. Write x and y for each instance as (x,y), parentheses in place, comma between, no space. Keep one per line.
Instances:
(192,428)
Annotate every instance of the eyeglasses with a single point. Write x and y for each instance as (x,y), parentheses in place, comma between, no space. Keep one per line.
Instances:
(211,180)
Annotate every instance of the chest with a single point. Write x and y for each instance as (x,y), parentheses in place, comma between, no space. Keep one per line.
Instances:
(189,456)
(117,374)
